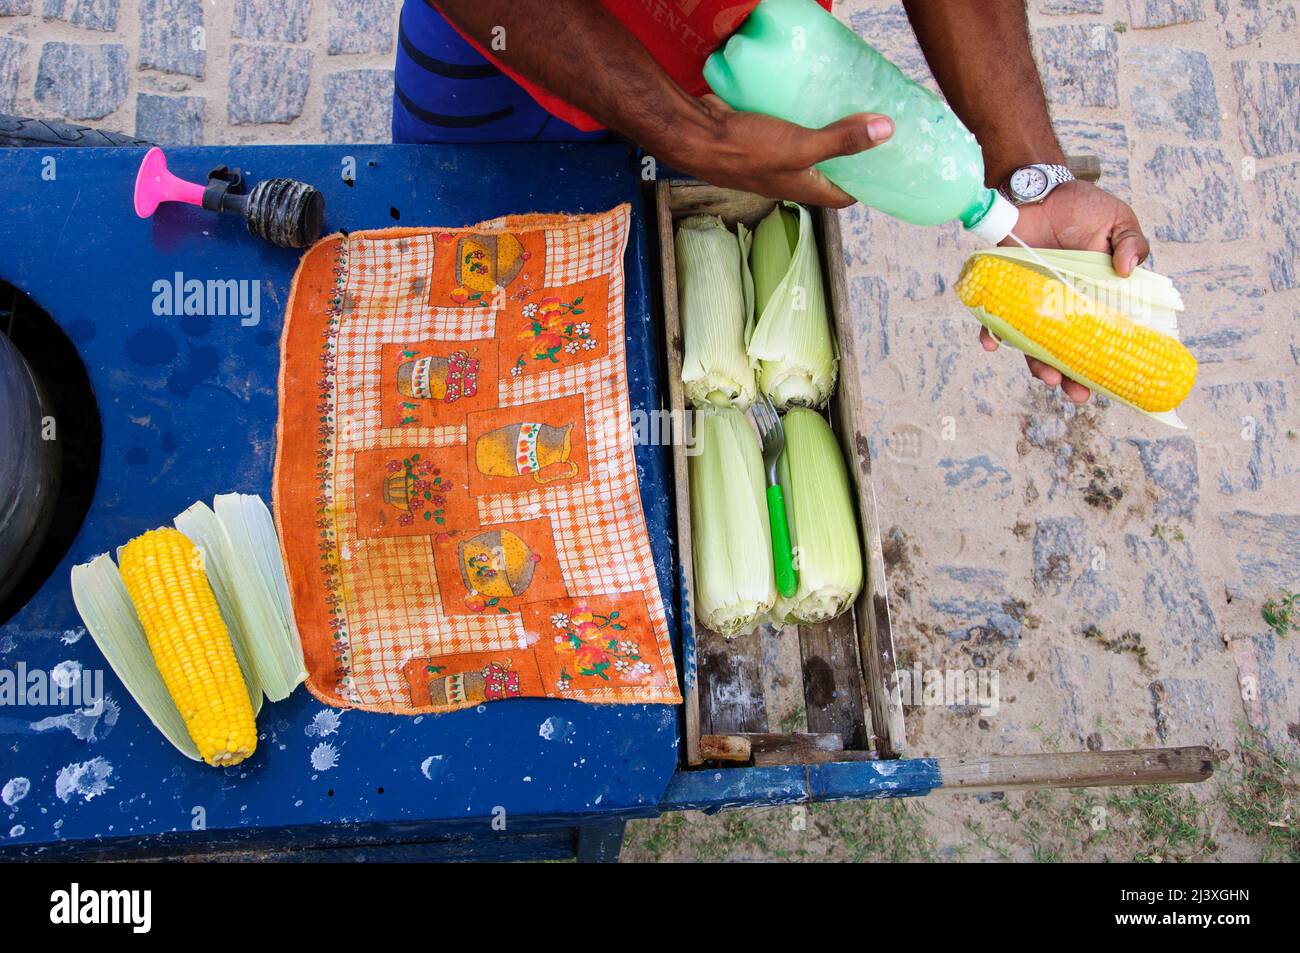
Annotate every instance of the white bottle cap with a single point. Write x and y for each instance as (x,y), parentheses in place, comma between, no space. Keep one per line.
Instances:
(998,222)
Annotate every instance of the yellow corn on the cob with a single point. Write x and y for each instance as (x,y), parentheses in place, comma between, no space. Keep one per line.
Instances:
(191,646)
(1148,369)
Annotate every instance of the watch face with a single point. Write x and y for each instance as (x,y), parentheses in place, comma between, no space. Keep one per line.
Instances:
(1029,182)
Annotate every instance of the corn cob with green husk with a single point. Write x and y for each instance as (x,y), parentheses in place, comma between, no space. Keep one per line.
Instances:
(1117,336)
(190,643)
(792,341)
(716,305)
(731,542)
(823,527)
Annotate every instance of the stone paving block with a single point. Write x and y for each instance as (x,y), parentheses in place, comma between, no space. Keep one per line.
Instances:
(987,621)
(12,51)
(1170,465)
(267,83)
(1065,7)
(358,106)
(1186,711)
(171,36)
(284,20)
(917,262)
(1060,548)
(361,26)
(1064,556)
(1106,140)
(1226,313)
(1279,192)
(91,14)
(169,120)
(1174,602)
(1258,413)
(981,619)
(1277,687)
(869,304)
(888,30)
(1245,21)
(78,81)
(1266,549)
(1173,89)
(946,350)
(1146,14)
(982,474)
(15,8)
(1268,112)
(1200,188)
(1079,64)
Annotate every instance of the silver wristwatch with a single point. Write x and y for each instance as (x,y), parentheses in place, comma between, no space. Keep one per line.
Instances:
(1033,183)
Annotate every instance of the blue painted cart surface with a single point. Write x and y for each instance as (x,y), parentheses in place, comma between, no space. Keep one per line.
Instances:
(188,407)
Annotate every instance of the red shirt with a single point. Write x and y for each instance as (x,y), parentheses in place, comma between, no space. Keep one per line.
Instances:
(679,34)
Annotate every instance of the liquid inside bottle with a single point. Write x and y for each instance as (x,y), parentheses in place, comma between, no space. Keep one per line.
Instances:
(793,60)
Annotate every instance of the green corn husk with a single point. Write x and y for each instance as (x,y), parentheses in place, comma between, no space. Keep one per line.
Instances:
(105,607)
(241,558)
(823,529)
(778,233)
(732,546)
(792,340)
(716,309)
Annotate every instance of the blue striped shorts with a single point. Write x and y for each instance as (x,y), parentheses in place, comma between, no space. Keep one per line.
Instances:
(446,91)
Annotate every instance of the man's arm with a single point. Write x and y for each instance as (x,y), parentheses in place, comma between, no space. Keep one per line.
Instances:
(576,50)
(979,52)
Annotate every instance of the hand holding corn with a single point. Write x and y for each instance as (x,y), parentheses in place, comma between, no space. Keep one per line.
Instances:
(1078,215)
(1069,310)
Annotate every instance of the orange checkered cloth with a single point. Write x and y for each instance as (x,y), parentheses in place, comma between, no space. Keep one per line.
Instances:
(455,485)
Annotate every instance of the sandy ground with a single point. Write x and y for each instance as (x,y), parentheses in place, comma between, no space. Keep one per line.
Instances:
(1112,571)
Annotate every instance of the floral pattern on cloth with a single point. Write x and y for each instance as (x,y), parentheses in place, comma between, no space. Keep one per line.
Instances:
(440,511)
(592,641)
(557,329)
(407,491)
(464,680)
(432,383)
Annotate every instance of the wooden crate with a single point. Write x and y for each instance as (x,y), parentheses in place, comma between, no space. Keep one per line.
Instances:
(845,666)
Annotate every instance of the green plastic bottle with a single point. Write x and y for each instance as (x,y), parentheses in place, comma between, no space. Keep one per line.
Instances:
(793,60)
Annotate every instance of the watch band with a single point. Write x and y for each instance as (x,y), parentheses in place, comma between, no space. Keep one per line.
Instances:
(1057,175)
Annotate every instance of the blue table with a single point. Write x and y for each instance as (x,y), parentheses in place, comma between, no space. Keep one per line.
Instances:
(188,409)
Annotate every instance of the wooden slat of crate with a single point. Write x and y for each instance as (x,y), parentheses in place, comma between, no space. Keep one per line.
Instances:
(775,748)
(871,613)
(681,480)
(832,681)
(731,675)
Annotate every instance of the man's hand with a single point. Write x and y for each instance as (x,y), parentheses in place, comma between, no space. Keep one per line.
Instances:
(980,53)
(772,158)
(1078,215)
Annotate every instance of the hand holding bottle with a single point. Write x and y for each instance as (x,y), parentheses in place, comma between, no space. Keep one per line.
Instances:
(767,156)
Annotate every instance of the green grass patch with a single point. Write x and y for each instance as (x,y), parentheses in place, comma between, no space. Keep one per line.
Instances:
(1261,796)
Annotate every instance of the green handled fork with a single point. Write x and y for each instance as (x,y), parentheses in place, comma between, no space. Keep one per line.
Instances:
(772,434)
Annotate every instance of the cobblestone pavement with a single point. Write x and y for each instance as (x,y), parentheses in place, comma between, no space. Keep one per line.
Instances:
(191,72)
(1110,570)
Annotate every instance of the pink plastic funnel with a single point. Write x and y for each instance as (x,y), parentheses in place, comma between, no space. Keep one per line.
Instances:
(154,184)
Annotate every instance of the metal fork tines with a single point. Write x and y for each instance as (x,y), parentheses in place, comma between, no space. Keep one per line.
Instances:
(772,435)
